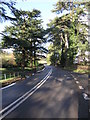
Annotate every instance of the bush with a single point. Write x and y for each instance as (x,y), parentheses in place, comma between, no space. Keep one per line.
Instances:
(8,60)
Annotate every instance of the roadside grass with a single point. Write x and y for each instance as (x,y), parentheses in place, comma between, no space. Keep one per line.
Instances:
(78,70)
(12,74)
(8,79)
(42,61)
(14,69)
(82,71)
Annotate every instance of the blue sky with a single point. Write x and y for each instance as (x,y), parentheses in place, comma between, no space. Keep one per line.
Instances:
(45,6)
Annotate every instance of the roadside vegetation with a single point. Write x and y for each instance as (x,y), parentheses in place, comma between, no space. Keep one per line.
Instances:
(26,36)
(11,72)
(78,69)
(68,37)
(67,34)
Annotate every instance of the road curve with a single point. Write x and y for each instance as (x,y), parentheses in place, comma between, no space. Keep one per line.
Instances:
(57,96)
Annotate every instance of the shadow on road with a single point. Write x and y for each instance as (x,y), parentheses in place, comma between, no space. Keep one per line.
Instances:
(57,98)
(83,107)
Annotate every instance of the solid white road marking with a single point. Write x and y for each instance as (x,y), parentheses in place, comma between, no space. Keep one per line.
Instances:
(29,93)
(7,86)
(23,95)
(80,87)
(41,70)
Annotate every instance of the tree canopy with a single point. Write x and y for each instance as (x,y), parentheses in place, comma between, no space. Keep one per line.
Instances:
(26,36)
(7,6)
(67,32)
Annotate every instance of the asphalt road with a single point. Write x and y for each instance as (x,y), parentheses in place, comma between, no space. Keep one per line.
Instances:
(52,93)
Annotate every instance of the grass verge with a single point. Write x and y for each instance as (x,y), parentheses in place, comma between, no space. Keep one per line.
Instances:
(26,72)
(81,70)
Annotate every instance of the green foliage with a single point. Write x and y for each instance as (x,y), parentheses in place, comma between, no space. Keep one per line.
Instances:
(7,60)
(67,33)
(26,36)
(7,6)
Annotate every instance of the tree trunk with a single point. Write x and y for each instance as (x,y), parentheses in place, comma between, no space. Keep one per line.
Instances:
(63,60)
(31,57)
(66,41)
(23,58)
(35,56)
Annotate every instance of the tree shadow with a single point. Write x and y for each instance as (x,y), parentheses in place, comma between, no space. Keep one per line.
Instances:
(83,107)
(55,99)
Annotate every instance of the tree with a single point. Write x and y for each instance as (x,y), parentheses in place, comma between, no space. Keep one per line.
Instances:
(26,36)
(7,6)
(68,31)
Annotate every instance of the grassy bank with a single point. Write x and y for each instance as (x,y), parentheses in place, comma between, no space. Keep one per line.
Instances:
(79,69)
(9,75)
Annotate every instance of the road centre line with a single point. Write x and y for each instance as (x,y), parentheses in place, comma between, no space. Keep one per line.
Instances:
(29,93)
(80,87)
(15,83)
(86,96)
(33,74)
(77,82)
(7,86)
(24,94)
(73,77)
(68,77)
(22,100)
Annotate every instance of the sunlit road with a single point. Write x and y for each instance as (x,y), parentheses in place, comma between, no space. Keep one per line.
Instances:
(52,93)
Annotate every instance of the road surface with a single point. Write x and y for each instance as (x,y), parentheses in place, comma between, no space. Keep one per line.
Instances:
(51,93)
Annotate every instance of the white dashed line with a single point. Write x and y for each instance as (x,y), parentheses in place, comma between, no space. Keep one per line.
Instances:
(27,76)
(86,96)
(75,78)
(80,87)
(33,74)
(77,82)
(68,77)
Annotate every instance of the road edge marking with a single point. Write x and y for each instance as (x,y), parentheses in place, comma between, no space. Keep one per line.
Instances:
(8,86)
(28,95)
(41,70)
(23,95)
